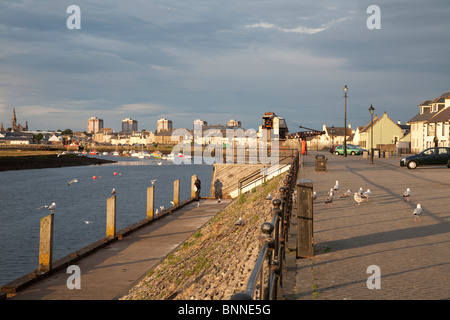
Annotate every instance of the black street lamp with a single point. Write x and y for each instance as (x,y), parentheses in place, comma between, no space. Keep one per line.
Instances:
(371,110)
(345,121)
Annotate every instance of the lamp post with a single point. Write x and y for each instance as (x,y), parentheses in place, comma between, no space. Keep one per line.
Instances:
(371,110)
(345,121)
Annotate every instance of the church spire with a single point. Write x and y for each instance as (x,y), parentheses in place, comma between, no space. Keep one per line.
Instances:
(14,121)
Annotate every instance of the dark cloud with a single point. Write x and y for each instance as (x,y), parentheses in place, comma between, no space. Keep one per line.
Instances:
(219,60)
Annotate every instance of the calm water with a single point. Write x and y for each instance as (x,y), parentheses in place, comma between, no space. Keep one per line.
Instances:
(21,192)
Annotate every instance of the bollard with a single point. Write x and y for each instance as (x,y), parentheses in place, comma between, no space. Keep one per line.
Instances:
(111,217)
(305,235)
(176,193)
(150,202)
(46,243)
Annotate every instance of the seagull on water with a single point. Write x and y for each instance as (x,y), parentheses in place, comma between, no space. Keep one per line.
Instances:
(407,194)
(86,221)
(359,198)
(418,212)
(113,191)
(72,181)
(347,194)
(51,207)
(153,181)
(159,163)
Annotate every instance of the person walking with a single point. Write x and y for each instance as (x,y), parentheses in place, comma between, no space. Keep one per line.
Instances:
(197,187)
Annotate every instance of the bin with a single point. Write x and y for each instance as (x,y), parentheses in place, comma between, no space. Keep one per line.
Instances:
(321,163)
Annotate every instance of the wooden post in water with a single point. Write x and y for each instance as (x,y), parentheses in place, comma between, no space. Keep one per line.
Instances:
(305,235)
(176,193)
(111,217)
(193,178)
(150,202)
(46,243)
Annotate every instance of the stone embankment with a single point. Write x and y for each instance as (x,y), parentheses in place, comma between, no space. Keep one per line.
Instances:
(217,260)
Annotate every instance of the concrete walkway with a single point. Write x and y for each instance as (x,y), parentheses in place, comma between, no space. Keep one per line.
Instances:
(110,272)
(413,259)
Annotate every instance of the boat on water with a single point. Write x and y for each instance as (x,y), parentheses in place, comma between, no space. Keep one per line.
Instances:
(115,154)
(93,152)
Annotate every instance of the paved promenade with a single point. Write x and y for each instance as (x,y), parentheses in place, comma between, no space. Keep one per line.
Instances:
(413,258)
(121,264)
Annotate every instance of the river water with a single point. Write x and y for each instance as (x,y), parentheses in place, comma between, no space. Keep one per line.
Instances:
(22,191)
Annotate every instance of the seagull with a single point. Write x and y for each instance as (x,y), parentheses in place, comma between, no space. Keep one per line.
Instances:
(329,198)
(407,194)
(156,212)
(162,208)
(359,198)
(418,213)
(347,194)
(331,192)
(172,203)
(153,181)
(367,193)
(269,197)
(113,191)
(218,201)
(314,195)
(336,186)
(72,181)
(360,191)
(198,204)
(51,207)
(159,163)
(239,222)
(87,222)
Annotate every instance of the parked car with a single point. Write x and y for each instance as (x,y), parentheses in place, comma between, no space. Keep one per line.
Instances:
(351,149)
(430,156)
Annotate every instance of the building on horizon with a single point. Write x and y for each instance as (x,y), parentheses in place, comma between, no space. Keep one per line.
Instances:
(129,126)
(94,125)
(15,127)
(164,125)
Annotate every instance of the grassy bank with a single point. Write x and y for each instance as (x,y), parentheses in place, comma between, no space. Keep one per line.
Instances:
(51,160)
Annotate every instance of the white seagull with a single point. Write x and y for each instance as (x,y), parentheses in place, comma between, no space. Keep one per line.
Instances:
(153,181)
(367,193)
(359,198)
(336,186)
(172,203)
(72,181)
(269,197)
(331,192)
(51,207)
(407,194)
(360,191)
(162,208)
(418,212)
(239,222)
(159,163)
(113,191)
(314,195)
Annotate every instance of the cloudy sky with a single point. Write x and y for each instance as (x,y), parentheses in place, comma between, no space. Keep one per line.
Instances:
(219,60)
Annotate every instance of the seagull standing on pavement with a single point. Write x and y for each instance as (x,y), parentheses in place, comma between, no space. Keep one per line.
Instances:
(314,195)
(239,222)
(347,194)
(359,198)
(329,199)
(407,194)
(418,212)
(336,186)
